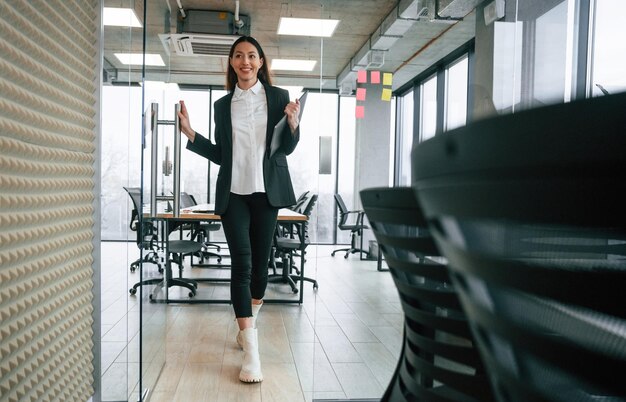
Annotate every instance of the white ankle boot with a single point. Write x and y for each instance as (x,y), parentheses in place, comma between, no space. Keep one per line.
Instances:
(251,366)
(255,313)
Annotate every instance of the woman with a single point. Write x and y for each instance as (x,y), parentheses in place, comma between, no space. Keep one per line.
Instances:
(251,186)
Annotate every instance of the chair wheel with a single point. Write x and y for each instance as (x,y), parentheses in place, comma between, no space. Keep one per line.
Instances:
(192,294)
(219,259)
(132,291)
(295,290)
(132,269)
(345,256)
(150,296)
(315,286)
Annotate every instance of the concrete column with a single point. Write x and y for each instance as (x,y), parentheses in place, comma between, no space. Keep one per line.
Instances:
(372,144)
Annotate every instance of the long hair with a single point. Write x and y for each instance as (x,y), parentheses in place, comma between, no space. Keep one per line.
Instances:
(263,74)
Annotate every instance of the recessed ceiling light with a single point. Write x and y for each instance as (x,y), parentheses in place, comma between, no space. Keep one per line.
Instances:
(152,59)
(294,90)
(307,27)
(293,65)
(120,17)
(161,86)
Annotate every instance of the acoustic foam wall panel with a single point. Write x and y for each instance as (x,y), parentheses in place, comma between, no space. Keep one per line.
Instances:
(48,88)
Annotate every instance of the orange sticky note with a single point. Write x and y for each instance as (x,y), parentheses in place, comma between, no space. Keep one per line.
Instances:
(360,94)
(386,95)
(387,78)
(361,76)
(360,112)
(375,77)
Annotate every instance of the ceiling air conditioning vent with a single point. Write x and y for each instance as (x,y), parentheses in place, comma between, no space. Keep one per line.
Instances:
(198,44)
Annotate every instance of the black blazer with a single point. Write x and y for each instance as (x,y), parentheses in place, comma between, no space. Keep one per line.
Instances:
(276,176)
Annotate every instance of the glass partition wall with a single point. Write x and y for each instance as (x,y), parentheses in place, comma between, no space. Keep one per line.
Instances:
(165,345)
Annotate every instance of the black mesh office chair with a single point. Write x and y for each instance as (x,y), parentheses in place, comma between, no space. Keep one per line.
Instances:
(199,231)
(176,248)
(439,361)
(147,240)
(529,210)
(355,228)
(287,241)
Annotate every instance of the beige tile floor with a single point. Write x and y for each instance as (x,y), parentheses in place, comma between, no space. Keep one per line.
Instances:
(341,343)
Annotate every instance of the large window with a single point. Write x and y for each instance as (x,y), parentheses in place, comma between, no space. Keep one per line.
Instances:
(608,64)
(404,123)
(428,108)
(456,94)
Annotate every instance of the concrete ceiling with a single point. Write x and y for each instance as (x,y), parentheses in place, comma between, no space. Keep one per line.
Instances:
(430,36)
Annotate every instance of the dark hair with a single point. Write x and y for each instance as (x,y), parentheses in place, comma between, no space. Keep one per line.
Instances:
(263,74)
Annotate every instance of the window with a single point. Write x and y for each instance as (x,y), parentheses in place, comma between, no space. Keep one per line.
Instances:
(428,108)
(456,94)
(405,138)
(608,62)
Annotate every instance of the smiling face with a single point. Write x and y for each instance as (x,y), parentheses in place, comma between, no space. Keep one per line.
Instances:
(246,62)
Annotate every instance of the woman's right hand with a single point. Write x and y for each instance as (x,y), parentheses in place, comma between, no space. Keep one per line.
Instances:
(185,126)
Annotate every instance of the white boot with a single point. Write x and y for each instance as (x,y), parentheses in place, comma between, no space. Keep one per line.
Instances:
(251,366)
(255,313)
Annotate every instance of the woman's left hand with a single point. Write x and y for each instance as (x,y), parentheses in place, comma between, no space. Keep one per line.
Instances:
(292,110)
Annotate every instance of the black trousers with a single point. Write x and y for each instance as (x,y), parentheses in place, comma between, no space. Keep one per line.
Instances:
(249,223)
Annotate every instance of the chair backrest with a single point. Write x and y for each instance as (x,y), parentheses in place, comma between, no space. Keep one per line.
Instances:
(343,210)
(310,203)
(439,358)
(536,244)
(300,202)
(148,232)
(186,200)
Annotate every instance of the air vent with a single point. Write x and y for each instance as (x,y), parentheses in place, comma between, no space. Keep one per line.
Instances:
(198,44)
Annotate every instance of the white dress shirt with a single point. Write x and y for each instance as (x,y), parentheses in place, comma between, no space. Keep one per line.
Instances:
(248,110)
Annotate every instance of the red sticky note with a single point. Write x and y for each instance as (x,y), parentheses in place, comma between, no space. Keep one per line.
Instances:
(360,112)
(360,94)
(361,76)
(375,77)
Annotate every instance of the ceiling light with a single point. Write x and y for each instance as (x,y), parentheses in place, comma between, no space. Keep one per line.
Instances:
(293,65)
(161,86)
(152,59)
(120,17)
(307,27)
(294,90)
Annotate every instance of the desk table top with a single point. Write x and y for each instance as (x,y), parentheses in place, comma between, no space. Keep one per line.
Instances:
(207,212)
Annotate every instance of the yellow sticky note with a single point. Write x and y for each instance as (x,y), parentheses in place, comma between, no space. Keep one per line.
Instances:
(386,95)
(387,78)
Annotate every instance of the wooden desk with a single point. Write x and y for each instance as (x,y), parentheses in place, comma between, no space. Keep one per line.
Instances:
(206,214)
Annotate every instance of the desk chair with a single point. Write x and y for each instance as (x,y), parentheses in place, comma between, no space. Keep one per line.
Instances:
(536,243)
(298,206)
(286,244)
(146,239)
(202,235)
(356,229)
(438,361)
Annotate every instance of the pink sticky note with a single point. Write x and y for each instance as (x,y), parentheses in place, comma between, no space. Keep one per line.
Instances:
(375,77)
(361,76)
(360,94)
(360,112)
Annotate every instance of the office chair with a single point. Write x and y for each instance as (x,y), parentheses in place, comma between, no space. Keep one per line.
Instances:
(146,240)
(536,244)
(286,243)
(439,360)
(199,231)
(356,229)
(298,206)
(177,248)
